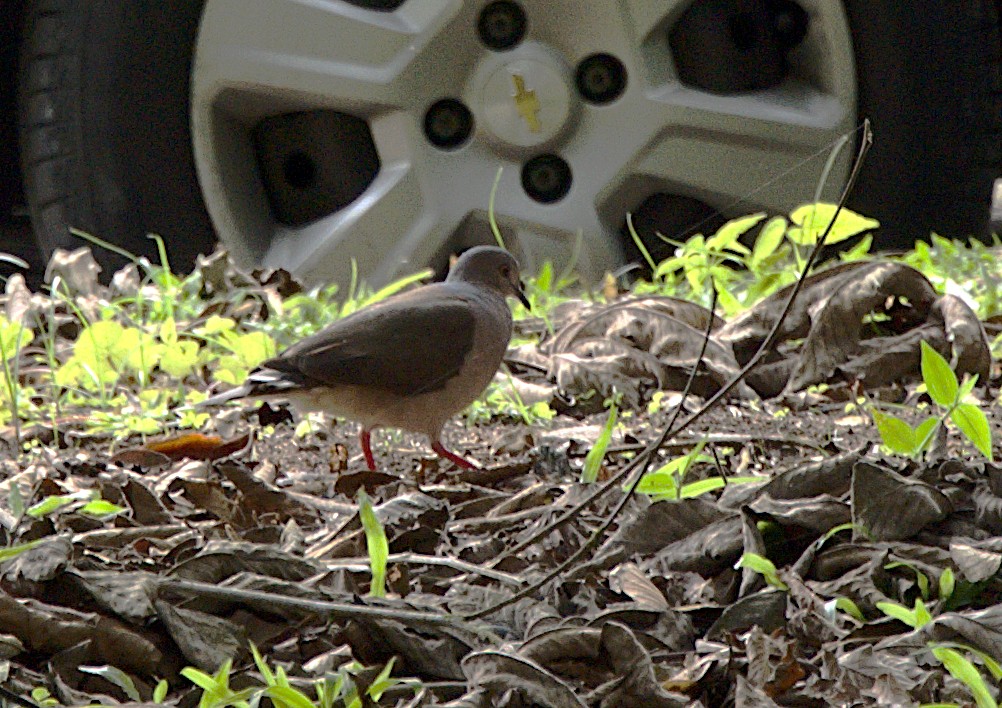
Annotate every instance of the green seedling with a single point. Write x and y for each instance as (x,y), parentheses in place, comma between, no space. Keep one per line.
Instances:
(914,618)
(160,691)
(216,691)
(964,670)
(666,482)
(844,604)
(85,501)
(969,269)
(42,697)
(947,584)
(115,676)
(332,690)
(951,397)
(741,275)
(376,544)
(595,457)
(764,567)
(277,686)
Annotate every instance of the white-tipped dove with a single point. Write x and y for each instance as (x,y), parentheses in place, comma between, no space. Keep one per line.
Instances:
(411,361)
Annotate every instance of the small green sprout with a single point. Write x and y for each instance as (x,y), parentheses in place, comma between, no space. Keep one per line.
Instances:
(376,543)
(950,395)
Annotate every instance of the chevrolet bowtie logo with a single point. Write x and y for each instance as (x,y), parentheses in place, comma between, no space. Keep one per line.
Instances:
(526,104)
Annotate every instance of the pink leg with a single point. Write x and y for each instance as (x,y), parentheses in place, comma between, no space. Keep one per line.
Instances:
(367,449)
(460,461)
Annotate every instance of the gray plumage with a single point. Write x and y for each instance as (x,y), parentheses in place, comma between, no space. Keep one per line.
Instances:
(411,361)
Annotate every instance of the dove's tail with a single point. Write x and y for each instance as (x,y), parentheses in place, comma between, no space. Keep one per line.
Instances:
(263,383)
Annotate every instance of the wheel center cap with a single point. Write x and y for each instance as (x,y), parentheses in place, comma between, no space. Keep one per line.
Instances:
(525,100)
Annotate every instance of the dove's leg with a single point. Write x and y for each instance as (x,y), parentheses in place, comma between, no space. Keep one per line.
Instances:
(364,438)
(453,457)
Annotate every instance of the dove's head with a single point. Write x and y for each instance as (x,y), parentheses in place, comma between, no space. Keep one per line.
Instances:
(491,267)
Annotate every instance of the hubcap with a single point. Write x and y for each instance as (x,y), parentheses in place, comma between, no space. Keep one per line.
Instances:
(325,132)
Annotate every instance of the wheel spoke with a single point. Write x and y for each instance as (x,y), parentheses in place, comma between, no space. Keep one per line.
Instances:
(311,53)
(759,150)
(381,230)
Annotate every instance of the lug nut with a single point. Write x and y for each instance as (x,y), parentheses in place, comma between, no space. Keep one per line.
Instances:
(448,123)
(546,178)
(601,78)
(501,25)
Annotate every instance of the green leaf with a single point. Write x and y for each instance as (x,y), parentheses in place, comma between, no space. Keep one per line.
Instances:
(896,434)
(769,239)
(811,220)
(990,663)
(382,682)
(216,325)
(857,252)
(848,526)
(973,423)
(179,359)
(101,507)
(13,551)
(160,691)
(14,336)
(961,668)
(116,676)
(288,697)
(595,457)
(924,432)
(262,666)
(727,235)
(168,331)
(662,483)
(900,613)
(849,607)
(376,543)
(728,302)
(200,678)
(695,489)
(55,502)
(940,381)
(947,582)
(764,567)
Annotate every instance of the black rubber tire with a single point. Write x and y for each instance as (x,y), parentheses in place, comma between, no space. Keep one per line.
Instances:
(929,79)
(103,120)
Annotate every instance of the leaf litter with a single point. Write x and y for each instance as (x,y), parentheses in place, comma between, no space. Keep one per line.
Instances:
(221,538)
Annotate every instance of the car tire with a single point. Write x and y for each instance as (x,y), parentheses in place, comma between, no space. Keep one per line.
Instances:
(106,144)
(929,79)
(103,122)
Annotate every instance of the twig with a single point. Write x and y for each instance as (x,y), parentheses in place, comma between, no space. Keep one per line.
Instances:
(643,459)
(419,559)
(321,607)
(716,439)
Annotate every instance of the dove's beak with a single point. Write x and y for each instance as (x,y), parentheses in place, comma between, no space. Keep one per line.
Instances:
(520,294)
